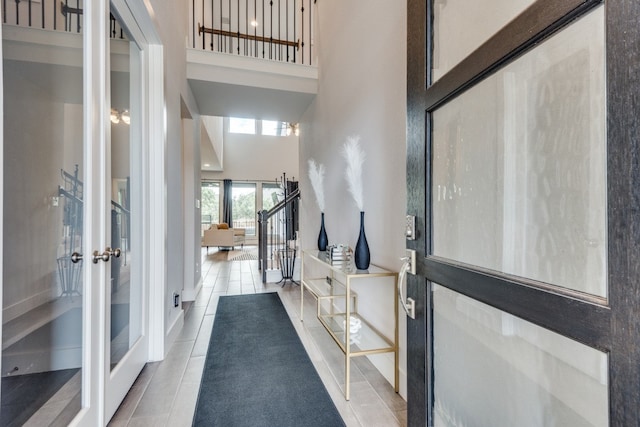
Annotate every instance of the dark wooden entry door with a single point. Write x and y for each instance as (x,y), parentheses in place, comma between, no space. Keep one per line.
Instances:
(523,172)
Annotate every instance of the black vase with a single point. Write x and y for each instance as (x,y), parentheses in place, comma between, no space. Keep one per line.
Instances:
(322,237)
(361,255)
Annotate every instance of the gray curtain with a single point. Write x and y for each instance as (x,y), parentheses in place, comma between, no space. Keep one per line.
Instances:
(291,214)
(227,202)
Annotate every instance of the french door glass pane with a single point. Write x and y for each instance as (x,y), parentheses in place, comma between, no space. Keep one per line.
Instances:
(43,169)
(244,207)
(126,286)
(495,369)
(460,27)
(210,205)
(519,169)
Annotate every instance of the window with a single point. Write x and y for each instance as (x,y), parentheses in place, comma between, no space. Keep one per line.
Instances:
(274,128)
(210,204)
(246,126)
(244,207)
(270,194)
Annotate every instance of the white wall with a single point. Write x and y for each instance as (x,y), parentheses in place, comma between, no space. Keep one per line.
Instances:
(257,158)
(171,23)
(362,91)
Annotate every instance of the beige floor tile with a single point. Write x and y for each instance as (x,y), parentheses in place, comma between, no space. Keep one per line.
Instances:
(202,341)
(169,389)
(150,421)
(184,406)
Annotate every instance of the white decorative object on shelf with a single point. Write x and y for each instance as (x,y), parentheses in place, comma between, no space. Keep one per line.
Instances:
(354,324)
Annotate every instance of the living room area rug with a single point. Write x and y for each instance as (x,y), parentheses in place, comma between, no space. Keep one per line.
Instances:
(246,254)
(257,372)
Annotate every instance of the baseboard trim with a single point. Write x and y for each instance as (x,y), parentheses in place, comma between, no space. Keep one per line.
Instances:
(384,363)
(173,332)
(191,294)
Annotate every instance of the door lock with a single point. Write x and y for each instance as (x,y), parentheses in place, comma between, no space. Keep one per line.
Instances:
(410,227)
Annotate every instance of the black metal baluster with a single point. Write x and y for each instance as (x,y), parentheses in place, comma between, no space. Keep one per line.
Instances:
(295,34)
(264,24)
(220,37)
(78,15)
(302,34)
(4,11)
(17,12)
(271,32)
(55,14)
(29,12)
(42,7)
(255,28)
(279,29)
(287,22)
(212,21)
(310,33)
(246,27)
(230,39)
(204,35)
(238,28)
(193,22)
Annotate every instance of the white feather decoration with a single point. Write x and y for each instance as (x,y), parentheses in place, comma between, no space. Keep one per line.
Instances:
(316,176)
(354,156)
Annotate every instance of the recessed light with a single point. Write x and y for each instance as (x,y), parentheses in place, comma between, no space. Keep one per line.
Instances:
(206,165)
(254,23)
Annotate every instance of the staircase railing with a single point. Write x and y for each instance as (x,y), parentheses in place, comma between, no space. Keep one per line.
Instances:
(279,30)
(277,229)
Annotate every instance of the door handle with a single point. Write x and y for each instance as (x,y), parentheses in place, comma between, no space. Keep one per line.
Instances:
(76,257)
(409,266)
(114,252)
(106,255)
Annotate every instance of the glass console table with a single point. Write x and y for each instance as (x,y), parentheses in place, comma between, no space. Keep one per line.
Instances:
(331,285)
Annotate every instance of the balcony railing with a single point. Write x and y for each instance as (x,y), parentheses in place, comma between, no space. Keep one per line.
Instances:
(279,30)
(53,15)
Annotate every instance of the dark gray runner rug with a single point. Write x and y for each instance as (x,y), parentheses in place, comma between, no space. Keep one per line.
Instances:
(257,372)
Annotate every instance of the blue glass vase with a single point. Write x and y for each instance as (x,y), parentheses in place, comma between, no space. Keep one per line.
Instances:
(361,255)
(322,237)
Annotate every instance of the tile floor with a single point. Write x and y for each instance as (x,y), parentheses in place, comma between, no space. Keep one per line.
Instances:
(165,393)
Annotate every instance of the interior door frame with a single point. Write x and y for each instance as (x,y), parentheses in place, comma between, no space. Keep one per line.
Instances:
(611,324)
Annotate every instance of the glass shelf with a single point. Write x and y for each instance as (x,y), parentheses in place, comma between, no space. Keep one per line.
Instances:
(366,340)
(330,284)
(349,268)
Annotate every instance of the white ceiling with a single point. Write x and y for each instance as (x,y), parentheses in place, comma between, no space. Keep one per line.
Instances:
(229,100)
(228,85)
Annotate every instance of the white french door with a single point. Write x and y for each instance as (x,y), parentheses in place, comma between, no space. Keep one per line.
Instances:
(75,286)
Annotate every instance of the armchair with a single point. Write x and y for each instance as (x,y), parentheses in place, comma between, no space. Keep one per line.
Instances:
(223,237)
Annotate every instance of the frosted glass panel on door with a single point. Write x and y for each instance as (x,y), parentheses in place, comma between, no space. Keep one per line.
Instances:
(519,169)
(494,369)
(461,26)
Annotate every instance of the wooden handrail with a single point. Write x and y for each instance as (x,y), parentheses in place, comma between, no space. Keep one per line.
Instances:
(202,29)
